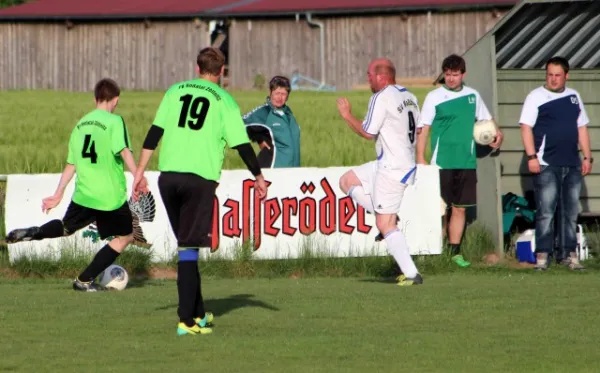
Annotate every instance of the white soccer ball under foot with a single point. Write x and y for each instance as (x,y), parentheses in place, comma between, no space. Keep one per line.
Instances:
(484,132)
(114,277)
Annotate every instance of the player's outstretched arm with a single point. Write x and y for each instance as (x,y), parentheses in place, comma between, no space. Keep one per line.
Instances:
(422,136)
(249,157)
(355,124)
(142,183)
(128,159)
(150,143)
(49,203)
(140,186)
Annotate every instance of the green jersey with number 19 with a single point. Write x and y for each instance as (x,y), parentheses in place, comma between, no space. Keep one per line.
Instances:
(94,148)
(198,118)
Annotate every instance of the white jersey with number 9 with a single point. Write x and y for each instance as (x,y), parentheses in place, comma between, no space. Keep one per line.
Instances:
(393,116)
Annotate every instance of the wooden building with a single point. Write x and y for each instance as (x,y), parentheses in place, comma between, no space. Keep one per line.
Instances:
(69,44)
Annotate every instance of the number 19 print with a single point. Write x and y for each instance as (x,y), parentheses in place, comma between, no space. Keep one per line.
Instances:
(194,107)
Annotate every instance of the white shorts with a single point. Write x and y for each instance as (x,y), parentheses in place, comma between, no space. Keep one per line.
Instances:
(386,187)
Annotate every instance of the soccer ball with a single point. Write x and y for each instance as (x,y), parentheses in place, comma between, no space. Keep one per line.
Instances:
(114,277)
(484,132)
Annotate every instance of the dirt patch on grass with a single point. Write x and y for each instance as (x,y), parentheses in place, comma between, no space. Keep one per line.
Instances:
(520,265)
(297,275)
(493,259)
(162,273)
(9,273)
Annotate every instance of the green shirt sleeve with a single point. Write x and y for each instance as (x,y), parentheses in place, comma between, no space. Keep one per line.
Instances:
(120,136)
(162,114)
(70,154)
(234,128)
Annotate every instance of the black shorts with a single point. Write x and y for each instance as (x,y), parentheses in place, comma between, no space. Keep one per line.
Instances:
(459,187)
(113,223)
(188,199)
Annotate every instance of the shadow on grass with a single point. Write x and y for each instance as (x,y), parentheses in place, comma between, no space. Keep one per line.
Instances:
(222,306)
(382,280)
(143,282)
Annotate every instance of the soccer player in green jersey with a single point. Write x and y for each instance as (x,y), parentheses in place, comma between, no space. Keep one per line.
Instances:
(99,147)
(195,120)
(451,112)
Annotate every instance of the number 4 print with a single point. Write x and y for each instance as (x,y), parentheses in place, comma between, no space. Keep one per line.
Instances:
(89,149)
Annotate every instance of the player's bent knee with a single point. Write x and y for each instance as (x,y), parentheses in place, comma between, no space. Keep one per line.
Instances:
(56,228)
(343,183)
(386,223)
(119,243)
(458,210)
(348,180)
(127,239)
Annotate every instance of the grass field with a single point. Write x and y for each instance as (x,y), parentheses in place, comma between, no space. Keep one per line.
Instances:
(497,322)
(36,127)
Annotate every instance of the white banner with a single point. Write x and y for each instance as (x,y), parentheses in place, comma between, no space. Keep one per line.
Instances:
(304,210)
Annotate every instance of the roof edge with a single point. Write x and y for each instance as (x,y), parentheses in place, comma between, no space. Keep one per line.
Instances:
(243,15)
(97,17)
(386,10)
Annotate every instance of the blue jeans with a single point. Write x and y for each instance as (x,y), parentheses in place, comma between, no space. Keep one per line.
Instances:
(557,188)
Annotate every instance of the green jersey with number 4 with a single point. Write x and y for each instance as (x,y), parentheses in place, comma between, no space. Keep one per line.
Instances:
(94,148)
(198,118)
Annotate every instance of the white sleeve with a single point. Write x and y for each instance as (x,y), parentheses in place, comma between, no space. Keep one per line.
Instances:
(481,111)
(583,119)
(529,112)
(376,114)
(427,114)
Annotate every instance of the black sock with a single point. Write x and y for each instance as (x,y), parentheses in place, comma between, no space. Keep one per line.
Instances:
(187,285)
(52,229)
(105,257)
(199,306)
(455,248)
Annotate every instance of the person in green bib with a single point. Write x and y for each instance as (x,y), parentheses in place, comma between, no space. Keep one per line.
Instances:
(195,121)
(449,114)
(275,129)
(99,148)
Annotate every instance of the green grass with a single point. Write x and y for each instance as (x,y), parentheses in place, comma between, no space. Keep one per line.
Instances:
(501,322)
(36,125)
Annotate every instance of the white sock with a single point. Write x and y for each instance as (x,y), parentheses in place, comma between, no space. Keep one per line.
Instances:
(357,193)
(398,248)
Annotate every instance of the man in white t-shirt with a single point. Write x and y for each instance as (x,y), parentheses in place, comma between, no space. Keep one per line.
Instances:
(553,128)
(379,186)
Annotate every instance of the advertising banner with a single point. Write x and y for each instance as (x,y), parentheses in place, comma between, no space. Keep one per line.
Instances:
(304,211)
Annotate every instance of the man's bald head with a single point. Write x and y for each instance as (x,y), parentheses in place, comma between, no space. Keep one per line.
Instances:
(381,73)
(383,66)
